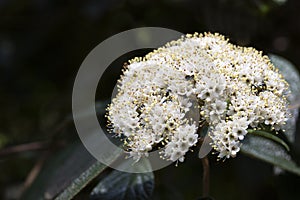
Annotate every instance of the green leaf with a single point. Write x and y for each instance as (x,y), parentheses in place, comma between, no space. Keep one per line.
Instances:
(66,173)
(79,183)
(122,186)
(269,136)
(269,151)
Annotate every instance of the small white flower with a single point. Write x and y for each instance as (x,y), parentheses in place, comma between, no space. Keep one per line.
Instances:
(236,89)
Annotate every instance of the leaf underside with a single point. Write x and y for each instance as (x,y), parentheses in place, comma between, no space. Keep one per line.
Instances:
(269,151)
(270,136)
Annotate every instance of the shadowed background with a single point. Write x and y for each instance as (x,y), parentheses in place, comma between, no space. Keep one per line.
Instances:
(42,44)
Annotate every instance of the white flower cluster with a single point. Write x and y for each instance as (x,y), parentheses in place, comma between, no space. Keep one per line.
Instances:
(235,89)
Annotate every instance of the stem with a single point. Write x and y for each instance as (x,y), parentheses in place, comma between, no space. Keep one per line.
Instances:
(35,171)
(205,180)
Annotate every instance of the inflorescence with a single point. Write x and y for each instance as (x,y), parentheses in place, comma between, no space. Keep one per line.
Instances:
(234,89)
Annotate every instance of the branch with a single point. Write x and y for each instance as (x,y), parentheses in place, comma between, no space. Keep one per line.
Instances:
(32,146)
(24,147)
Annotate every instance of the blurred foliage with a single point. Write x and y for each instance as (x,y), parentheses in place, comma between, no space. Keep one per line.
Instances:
(42,44)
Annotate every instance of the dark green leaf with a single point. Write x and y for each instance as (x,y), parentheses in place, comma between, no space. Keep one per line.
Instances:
(269,136)
(122,186)
(66,173)
(269,151)
(58,172)
(80,182)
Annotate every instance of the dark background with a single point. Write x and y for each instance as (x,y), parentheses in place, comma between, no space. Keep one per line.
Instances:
(42,44)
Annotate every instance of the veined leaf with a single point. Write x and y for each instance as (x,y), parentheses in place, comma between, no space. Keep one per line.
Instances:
(79,183)
(269,151)
(269,136)
(122,186)
(65,174)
